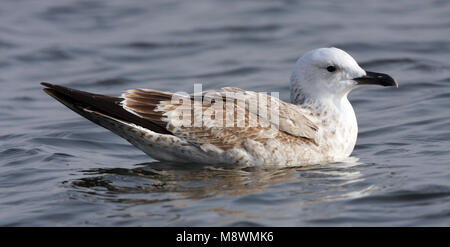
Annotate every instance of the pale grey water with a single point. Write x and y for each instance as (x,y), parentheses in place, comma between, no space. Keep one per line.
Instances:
(57,168)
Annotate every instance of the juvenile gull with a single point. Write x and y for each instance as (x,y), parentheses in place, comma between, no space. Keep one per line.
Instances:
(318,126)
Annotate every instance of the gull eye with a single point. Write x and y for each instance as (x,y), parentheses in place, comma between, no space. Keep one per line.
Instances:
(331,68)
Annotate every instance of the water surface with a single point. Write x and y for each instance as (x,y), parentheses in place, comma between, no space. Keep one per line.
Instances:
(58,169)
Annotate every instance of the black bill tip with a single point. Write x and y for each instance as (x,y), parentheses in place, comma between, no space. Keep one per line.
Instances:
(46,84)
(374,78)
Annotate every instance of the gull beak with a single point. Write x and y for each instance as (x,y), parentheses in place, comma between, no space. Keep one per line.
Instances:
(373,78)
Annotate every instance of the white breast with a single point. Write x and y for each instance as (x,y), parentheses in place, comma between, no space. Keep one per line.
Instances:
(338,129)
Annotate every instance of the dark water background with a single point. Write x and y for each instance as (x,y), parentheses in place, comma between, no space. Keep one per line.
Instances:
(57,168)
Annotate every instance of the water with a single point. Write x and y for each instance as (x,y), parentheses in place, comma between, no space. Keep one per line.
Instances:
(58,169)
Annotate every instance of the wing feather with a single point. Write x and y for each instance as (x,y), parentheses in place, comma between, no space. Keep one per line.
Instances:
(292,126)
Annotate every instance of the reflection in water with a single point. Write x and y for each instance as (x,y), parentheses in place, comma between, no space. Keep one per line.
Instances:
(164,182)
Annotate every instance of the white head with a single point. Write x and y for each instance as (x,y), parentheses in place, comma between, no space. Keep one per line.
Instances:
(330,73)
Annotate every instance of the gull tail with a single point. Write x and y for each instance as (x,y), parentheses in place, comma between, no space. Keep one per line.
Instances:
(108,112)
(150,136)
(100,109)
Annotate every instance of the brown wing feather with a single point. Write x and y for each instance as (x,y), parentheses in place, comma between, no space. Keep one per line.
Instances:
(107,105)
(143,103)
(149,109)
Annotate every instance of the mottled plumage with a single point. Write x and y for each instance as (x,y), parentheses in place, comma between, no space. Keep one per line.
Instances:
(319,127)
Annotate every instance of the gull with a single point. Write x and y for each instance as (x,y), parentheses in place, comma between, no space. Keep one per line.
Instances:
(318,126)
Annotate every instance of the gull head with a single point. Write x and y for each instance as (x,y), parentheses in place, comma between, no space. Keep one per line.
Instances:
(331,73)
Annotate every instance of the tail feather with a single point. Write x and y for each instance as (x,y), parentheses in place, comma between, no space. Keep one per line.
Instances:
(78,100)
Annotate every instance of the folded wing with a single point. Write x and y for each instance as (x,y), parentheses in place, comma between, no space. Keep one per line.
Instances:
(221,119)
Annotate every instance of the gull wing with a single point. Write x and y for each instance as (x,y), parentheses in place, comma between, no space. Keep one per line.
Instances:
(225,127)
(292,119)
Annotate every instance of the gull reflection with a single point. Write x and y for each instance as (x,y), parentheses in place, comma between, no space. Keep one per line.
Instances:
(156,182)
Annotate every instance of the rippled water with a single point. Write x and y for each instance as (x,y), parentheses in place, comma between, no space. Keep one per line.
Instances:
(57,168)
